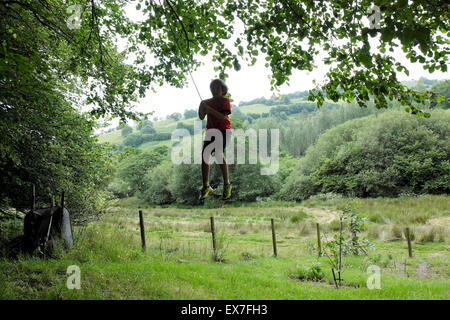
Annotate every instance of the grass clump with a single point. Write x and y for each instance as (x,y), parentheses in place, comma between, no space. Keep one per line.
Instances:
(298,217)
(309,273)
(396,232)
(430,234)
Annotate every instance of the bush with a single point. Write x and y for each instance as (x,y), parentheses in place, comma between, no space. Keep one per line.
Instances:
(185,183)
(134,167)
(396,232)
(133,140)
(157,181)
(246,180)
(311,273)
(386,155)
(119,188)
(147,128)
(430,234)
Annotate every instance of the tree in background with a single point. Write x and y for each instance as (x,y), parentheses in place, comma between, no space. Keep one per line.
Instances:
(442,89)
(133,140)
(175,116)
(126,131)
(133,168)
(146,127)
(191,113)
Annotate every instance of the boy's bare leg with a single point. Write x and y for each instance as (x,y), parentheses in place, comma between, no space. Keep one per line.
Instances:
(205,171)
(224,169)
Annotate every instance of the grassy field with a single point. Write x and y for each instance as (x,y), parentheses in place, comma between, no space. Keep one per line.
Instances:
(164,126)
(255,108)
(178,261)
(114,137)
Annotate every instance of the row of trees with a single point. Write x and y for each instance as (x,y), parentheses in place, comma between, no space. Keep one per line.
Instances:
(153,177)
(274,100)
(136,139)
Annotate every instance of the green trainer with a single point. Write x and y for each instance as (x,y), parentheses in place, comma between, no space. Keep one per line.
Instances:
(226,192)
(205,192)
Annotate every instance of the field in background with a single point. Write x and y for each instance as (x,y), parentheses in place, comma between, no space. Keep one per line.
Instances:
(255,108)
(164,126)
(167,126)
(178,261)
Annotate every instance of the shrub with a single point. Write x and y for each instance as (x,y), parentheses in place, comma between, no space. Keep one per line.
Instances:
(334,225)
(246,180)
(157,181)
(387,155)
(311,273)
(134,167)
(147,128)
(185,183)
(396,232)
(133,140)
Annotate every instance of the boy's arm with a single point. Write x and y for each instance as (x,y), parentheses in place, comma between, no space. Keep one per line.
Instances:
(201,110)
(204,109)
(216,114)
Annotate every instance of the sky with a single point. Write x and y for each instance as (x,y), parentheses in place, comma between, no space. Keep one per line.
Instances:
(247,84)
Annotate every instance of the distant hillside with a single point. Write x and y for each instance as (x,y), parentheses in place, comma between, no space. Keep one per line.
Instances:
(421,85)
(288,106)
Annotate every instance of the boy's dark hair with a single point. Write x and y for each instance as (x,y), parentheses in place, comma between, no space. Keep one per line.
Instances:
(216,83)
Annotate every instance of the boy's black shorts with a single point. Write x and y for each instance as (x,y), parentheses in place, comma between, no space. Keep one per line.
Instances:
(226,136)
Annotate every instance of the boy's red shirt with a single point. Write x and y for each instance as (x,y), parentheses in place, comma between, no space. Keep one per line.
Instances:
(221,105)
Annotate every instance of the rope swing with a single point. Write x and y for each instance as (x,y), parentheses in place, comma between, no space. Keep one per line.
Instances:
(178,44)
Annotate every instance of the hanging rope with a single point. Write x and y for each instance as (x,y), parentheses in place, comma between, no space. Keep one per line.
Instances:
(179,47)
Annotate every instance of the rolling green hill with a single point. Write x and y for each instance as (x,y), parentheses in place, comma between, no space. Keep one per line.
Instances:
(164,126)
(169,125)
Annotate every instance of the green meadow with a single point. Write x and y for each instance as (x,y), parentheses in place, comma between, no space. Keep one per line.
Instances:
(178,261)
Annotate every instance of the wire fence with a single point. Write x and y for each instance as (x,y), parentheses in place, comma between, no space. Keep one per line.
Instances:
(218,239)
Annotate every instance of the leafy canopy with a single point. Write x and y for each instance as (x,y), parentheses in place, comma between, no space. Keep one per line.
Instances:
(39,40)
(291,34)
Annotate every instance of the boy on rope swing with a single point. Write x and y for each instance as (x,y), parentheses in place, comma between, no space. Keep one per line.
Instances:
(218,132)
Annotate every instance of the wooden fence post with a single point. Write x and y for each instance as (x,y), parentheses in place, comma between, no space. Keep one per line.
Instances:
(213,233)
(141,222)
(408,238)
(319,247)
(274,238)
